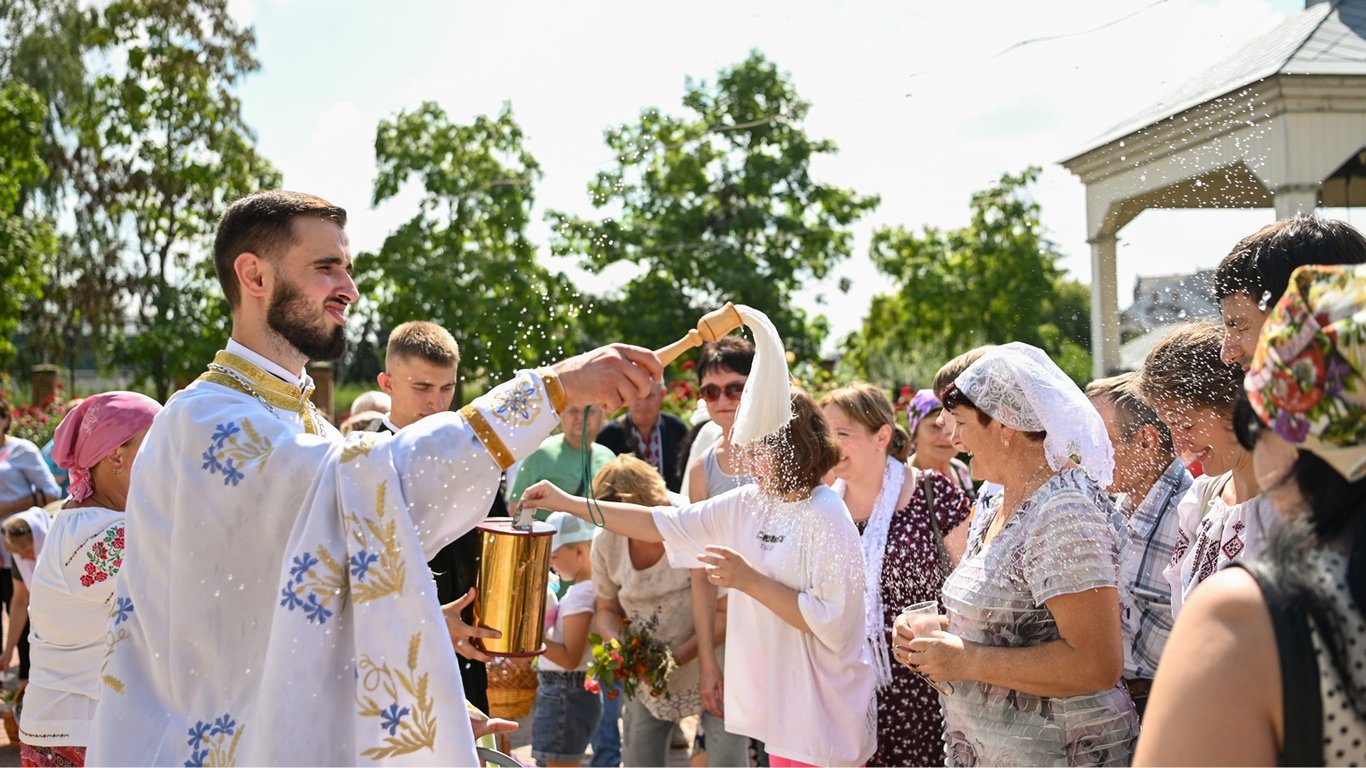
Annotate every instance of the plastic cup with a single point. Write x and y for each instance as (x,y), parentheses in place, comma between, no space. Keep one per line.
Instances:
(923,620)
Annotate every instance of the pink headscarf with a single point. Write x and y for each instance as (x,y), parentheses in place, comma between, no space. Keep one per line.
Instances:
(93,429)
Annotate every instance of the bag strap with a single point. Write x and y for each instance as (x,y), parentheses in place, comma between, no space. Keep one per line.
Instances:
(1301,697)
(943,552)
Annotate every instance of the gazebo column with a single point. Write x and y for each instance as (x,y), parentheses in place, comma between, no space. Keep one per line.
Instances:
(1104,306)
(1295,198)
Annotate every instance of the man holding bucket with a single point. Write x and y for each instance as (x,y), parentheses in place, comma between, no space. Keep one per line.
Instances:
(276,607)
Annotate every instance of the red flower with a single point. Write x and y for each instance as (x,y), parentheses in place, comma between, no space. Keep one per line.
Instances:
(613,694)
(591,685)
(89,567)
(688,365)
(86,581)
(118,563)
(101,576)
(118,543)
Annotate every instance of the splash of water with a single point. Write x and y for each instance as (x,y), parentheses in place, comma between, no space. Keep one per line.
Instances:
(764,406)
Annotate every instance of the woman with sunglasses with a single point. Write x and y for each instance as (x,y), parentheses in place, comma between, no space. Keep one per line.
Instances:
(722,369)
(1265,664)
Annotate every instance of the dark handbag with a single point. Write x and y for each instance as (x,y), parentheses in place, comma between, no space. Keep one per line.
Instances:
(1301,699)
(945,566)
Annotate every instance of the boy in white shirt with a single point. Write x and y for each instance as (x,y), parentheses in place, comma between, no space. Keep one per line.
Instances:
(566,714)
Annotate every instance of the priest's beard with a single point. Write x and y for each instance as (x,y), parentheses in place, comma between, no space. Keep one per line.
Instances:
(291,316)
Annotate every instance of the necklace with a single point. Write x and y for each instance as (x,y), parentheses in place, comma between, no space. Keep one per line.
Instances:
(280,396)
(245,384)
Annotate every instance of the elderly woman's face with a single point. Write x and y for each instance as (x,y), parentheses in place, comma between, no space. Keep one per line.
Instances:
(977,439)
(933,442)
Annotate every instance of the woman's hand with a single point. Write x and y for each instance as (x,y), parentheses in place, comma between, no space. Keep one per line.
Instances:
(727,568)
(940,656)
(546,495)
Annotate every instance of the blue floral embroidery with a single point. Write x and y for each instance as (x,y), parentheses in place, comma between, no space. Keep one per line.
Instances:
(316,611)
(391,718)
(230,448)
(289,599)
(519,404)
(224,724)
(122,607)
(361,562)
(311,589)
(209,743)
(302,565)
(224,432)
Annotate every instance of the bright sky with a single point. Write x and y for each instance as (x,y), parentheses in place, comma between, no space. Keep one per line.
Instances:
(922,108)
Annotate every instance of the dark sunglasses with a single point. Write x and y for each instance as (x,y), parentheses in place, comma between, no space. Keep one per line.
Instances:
(1247,425)
(712,392)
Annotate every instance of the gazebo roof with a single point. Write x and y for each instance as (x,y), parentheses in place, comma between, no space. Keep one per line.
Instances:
(1327,38)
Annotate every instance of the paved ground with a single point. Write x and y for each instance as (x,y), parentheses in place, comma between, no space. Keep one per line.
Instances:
(9,752)
(521,745)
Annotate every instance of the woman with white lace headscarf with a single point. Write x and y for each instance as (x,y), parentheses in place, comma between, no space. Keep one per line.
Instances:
(1032,642)
(911,529)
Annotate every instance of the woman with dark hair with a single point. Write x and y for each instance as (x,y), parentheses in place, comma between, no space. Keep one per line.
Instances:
(910,525)
(1032,643)
(1265,665)
(786,548)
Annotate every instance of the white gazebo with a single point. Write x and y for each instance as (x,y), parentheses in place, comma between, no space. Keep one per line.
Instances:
(1281,124)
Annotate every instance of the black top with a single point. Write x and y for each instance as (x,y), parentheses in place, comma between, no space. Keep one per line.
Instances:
(619,436)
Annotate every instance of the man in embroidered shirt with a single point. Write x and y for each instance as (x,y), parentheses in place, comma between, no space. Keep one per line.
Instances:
(419,379)
(1151,481)
(279,607)
(652,435)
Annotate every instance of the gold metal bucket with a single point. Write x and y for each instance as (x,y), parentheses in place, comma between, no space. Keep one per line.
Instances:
(514,575)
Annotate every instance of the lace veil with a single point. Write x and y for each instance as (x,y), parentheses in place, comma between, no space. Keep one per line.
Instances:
(1021,387)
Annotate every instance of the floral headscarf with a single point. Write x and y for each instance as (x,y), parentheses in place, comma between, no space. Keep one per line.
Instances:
(1306,378)
(922,405)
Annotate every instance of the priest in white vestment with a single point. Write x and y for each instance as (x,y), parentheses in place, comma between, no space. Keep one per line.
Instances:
(274,605)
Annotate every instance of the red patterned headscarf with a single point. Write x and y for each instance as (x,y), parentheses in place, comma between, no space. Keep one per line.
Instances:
(93,429)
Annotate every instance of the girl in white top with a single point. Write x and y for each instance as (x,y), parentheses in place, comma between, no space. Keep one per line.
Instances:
(1223,516)
(72,585)
(566,713)
(790,553)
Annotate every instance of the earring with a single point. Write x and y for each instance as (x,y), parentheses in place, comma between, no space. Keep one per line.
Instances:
(117,471)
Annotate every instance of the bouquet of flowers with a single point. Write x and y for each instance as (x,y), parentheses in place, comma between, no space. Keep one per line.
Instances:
(633,659)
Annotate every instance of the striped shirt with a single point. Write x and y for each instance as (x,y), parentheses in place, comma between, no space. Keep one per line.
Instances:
(1153,528)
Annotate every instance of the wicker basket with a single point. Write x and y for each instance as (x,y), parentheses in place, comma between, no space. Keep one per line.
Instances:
(512,691)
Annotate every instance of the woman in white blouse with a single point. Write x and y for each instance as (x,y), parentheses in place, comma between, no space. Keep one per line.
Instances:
(72,590)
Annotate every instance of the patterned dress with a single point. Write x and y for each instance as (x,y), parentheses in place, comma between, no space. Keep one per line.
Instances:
(910,722)
(1065,539)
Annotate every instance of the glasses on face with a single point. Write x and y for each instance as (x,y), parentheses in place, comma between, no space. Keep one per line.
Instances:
(1247,425)
(712,392)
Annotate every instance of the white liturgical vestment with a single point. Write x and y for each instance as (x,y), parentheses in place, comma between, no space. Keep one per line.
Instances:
(275,606)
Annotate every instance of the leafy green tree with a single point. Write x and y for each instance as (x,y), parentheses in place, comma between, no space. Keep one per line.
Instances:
(463,260)
(994,281)
(25,239)
(715,205)
(82,298)
(164,150)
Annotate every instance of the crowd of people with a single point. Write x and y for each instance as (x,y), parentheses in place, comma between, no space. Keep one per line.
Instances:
(1162,567)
